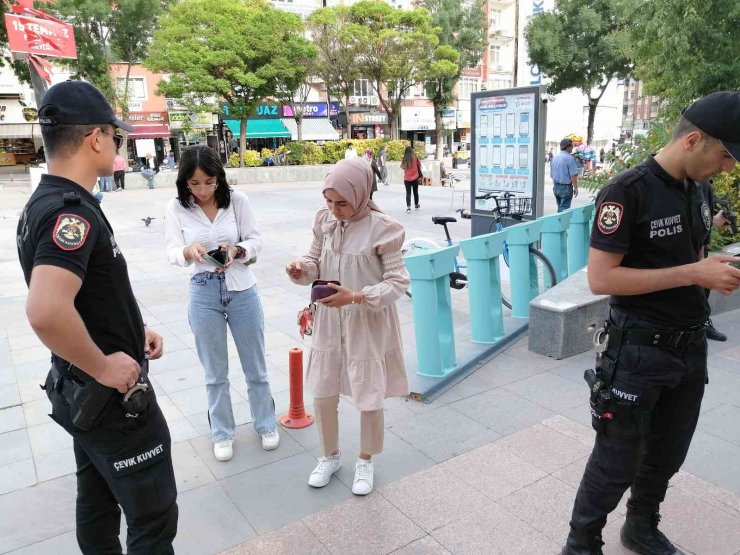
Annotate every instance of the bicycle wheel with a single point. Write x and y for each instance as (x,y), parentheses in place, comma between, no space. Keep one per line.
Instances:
(542,274)
(418,245)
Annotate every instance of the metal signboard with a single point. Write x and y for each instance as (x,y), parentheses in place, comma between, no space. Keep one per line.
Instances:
(507,150)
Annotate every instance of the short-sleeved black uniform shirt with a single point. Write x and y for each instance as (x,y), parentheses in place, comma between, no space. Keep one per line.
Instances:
(655,222)
(74,234)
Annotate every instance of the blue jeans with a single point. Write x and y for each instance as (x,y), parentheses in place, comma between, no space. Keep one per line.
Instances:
(106,184)
(564,195)
(211,308)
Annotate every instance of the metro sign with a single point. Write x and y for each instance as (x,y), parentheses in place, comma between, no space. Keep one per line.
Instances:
(30,35)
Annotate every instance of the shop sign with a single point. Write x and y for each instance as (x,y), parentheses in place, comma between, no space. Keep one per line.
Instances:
(200,120)
(310,110)
(417,118)
(368,118)
(148,117)
(11,111)
(449,118)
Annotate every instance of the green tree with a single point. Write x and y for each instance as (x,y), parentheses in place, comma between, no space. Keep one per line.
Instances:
(462,28)
(685,49)
(228,49)
(337,62)
(133,23)
(395,48)
(580,44)
(296,78)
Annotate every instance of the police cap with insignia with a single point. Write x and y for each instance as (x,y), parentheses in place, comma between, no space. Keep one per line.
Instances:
(77,103)
(718,115)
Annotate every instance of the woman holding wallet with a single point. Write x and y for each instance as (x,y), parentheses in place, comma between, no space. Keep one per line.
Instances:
(212,229)
(356,348)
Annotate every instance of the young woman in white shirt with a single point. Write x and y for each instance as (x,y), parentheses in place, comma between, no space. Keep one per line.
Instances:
(207,215)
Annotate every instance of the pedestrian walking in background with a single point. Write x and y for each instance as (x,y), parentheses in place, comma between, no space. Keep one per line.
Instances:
(411,166)
(149,171)
(564,172)
(550,156)
(105,182)
(207,215)
(356,343)
(376,175)
(171,160)
(602,155)
(119,172)
(382,163)
(350,152)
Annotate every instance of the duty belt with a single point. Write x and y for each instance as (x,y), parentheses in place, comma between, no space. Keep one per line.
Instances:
(672,339)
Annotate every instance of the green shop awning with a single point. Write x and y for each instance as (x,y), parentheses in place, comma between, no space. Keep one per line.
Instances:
(259,128)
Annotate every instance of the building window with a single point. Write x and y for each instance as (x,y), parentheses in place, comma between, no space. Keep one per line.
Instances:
(495,55)
(363,88)
(136,87)
(495,18)
(466,86)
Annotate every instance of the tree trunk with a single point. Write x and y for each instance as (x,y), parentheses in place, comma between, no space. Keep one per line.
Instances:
(124,104)
(592,104)
(299,125)
(242,140)
(348,125)
(440,133)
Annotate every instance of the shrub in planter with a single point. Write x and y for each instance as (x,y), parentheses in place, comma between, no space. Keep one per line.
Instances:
(251,159)
(304,152)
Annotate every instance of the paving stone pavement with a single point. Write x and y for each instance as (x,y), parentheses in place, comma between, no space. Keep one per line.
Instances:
(491,466)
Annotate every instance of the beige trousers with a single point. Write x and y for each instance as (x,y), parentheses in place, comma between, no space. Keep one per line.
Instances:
(326,414)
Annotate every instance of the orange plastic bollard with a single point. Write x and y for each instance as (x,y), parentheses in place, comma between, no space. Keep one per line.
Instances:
(296,416)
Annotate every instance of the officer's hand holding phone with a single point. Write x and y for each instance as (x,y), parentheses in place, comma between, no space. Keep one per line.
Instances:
(120,372)
(194,253)
(714,272)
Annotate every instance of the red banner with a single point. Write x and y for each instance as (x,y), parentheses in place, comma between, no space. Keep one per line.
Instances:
(41,37)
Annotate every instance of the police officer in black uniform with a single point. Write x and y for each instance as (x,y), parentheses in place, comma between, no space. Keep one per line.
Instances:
(646,252)
(81,305)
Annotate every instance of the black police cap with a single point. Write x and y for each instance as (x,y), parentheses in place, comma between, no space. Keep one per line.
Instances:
(77,103)
(718,115)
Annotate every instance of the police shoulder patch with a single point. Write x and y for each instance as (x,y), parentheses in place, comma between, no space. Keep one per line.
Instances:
(610,216)
(70,231)
(706,215)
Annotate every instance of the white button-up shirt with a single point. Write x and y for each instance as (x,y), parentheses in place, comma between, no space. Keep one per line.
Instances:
(185,226)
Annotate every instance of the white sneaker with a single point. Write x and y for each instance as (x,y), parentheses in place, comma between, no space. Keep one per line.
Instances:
(324,470)
(363,483)
(224,450)
(270,440)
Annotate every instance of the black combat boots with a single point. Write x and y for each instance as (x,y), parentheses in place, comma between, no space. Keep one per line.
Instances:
(640,533)
(583,542)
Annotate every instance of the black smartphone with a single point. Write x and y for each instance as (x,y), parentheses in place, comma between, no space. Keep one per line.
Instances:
(218,257)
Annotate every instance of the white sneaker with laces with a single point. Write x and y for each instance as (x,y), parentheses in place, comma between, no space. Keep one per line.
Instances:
(363,483)
(324,470)
(270,440)
(224,450)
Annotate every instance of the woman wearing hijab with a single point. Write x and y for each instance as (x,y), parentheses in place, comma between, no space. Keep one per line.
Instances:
(356,349)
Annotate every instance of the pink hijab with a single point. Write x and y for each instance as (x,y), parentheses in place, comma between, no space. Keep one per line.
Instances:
(352,179)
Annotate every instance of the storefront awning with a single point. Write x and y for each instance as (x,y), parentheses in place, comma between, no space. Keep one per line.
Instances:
(19,130)
(154,131)
(314,129)
(259,129)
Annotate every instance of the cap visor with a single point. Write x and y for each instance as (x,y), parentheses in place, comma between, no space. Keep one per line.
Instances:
(123,125)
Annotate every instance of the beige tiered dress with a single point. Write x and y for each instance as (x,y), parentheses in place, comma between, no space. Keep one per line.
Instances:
(357,349)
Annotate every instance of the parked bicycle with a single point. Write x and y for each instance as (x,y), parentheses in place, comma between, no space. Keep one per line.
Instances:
(510,209)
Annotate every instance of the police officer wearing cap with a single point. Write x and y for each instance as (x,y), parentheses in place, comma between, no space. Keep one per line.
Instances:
(646,390)
(81,306)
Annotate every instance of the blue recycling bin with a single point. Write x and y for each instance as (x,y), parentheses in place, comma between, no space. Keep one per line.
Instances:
(522,268)
(432,309)
(578,237)
(555,242)
(484,286)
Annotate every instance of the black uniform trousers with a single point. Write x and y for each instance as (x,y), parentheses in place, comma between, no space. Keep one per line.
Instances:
(668,386)
(123,461)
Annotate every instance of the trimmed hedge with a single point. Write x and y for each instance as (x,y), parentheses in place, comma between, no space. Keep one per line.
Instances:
(309,153)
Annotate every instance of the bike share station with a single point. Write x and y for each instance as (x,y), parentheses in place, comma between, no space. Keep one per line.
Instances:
(510,239)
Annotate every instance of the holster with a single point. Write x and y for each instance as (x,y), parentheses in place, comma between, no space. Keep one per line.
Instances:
(86,397)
